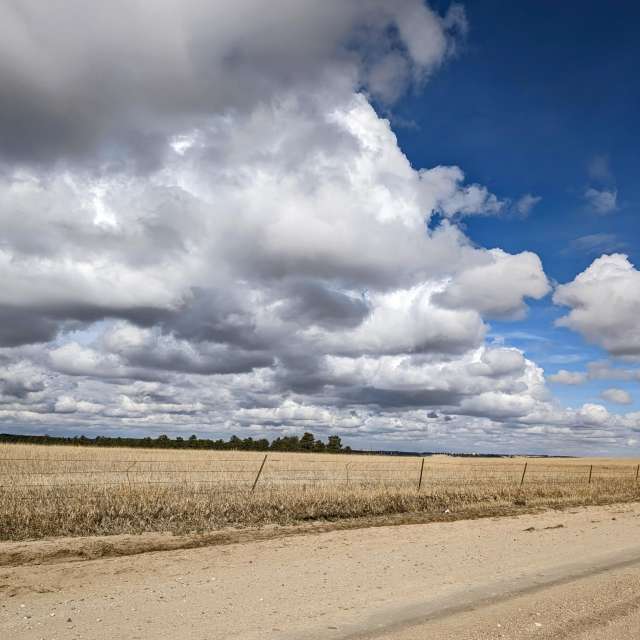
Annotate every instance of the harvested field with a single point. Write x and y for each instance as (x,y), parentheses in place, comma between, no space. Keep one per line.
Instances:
(76,491)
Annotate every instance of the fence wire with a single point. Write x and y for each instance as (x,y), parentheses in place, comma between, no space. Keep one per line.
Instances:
(242,472)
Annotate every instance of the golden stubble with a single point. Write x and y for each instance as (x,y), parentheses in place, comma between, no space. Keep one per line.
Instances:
(80,491)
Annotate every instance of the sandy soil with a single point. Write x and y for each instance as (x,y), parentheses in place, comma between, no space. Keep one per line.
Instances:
(61,549)
(603,606)
(572,574)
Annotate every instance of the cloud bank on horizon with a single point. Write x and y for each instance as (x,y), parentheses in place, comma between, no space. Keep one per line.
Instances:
(214,229)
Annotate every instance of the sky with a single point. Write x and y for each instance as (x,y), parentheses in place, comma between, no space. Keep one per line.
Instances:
(413,225)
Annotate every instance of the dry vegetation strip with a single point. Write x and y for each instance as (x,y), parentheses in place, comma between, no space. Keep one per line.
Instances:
(62,491)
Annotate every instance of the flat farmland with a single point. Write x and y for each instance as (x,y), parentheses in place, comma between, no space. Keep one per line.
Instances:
(79,491)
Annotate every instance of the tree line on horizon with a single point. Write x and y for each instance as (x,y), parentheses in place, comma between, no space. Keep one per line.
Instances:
(305,443)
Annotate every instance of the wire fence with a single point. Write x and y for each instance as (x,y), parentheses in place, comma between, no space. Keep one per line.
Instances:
(271,471)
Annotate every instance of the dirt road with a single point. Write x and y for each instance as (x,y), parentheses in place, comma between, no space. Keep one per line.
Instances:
(572,574)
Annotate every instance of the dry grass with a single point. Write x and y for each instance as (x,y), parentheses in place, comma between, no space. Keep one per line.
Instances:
(69,491)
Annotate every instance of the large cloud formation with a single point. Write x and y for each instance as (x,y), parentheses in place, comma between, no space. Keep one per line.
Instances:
(211,228)
(605,305)
(112,89)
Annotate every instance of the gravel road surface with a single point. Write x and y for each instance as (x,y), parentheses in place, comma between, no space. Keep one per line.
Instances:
(561,574)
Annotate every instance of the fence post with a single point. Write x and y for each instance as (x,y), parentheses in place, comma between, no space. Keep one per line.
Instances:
(637,470)
(590,472)
(255,482)
(524,471)
(346,467)
(421,470)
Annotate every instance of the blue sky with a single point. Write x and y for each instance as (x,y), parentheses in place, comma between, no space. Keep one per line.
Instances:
(543,98)
(538,93)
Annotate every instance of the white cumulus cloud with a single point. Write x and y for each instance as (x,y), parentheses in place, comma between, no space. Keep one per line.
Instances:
(601,201)
(617,396)
(605,304)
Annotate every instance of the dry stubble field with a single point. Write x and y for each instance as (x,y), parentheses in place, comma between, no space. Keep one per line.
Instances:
(76,491)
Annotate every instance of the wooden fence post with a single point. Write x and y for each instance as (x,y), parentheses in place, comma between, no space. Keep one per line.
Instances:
(524,471)
(637,470)
(255,482)
(421,470)
(590,472)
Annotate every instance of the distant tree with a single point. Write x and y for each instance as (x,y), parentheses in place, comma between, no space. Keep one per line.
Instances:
(307,441)
(285,443)
(334,444)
